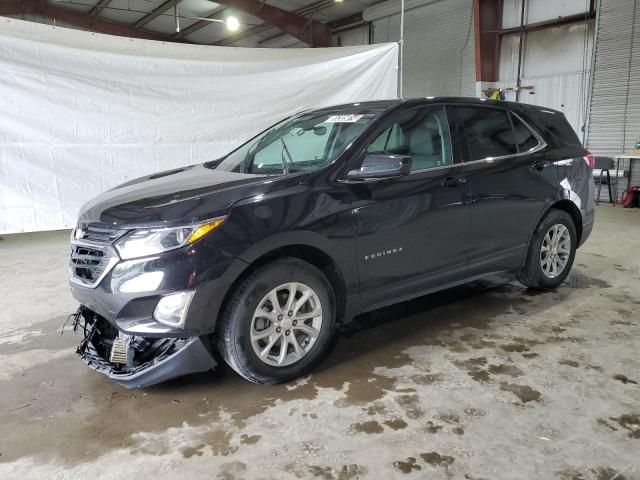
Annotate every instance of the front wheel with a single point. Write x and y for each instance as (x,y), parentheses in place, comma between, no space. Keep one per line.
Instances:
(551,252)
(278,323)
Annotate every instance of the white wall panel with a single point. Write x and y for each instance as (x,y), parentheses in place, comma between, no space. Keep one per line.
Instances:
(560,92)
(540,10)
(556,63)
(555,50)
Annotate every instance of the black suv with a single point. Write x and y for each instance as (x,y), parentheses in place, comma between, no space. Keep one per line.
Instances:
(263,253)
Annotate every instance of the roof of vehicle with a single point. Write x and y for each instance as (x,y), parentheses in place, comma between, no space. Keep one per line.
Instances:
(387,104)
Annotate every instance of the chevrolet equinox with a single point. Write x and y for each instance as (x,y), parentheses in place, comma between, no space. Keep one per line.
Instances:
(261,254)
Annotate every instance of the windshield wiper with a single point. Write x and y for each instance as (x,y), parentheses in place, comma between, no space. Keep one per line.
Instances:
(285,166)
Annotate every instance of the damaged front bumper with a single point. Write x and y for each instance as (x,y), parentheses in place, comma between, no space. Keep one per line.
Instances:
(133,361)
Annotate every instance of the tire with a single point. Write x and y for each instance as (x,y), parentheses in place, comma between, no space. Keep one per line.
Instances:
(240,320)
(533,274)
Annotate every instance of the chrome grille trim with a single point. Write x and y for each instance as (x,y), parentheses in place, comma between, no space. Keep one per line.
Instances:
(97,233)
(86,267)
(92,255)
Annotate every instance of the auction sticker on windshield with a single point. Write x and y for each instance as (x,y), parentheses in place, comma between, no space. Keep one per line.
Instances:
(343,118)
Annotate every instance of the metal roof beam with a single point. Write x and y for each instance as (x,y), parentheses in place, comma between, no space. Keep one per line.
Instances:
(337,26)
(487,18)
(78,19)
(10,7)
(156,12)
(305,29)
(98,7)
(304,11)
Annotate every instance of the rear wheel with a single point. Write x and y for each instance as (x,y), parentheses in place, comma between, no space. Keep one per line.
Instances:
(551,252)
(278,323)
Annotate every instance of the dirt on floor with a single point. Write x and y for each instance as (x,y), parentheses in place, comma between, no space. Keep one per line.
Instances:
(485,381)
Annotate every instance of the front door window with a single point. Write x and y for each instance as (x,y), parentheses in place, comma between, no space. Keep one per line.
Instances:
(423,134)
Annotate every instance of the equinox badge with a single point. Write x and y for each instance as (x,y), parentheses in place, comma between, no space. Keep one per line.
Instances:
(383,253)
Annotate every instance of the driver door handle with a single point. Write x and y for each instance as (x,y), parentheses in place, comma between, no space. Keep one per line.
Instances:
(453,181)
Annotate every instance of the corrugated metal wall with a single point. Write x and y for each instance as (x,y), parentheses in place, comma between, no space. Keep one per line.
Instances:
(353,36)
(614,121)
(615,102)
(438,47)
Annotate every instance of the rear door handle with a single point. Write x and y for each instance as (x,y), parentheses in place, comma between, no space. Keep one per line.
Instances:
(453,181)
(540,164)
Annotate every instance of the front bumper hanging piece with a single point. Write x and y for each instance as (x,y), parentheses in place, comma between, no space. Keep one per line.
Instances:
(137,362)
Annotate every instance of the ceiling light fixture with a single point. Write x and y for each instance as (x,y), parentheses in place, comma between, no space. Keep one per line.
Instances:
(232,24)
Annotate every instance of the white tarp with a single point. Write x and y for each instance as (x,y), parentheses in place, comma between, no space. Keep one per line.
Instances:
(82,112)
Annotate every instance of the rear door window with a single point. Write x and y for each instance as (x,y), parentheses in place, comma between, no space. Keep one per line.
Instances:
(525,138)
(488,132)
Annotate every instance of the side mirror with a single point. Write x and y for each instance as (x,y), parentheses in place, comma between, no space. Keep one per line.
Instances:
(378,165)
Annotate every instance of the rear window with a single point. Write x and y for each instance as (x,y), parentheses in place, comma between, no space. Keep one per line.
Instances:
(554,127)
(488,132)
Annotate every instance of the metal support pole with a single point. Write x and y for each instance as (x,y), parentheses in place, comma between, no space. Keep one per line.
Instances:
(587,112)
(401,55)
(629,76)
(520,51)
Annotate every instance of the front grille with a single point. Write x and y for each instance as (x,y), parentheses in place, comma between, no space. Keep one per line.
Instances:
(92,255)
(89,264)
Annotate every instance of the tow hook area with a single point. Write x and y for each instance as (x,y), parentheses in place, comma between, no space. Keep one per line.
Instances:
(133,361)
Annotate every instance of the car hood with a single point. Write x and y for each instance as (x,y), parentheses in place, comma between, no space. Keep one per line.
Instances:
(179,196)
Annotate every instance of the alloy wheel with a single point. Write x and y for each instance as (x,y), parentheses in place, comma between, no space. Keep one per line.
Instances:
(555,250)
(286,324)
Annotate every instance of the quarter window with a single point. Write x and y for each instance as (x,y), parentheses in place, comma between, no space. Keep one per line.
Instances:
(488,132)
(525,138)
(423,134)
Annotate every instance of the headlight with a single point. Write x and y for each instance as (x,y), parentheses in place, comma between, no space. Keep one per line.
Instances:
(141,243)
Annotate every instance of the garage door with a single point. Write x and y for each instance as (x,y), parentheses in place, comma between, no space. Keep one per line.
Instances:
(439,48)
(615,104)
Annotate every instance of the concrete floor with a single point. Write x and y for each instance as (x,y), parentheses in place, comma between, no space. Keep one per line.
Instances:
(488,381)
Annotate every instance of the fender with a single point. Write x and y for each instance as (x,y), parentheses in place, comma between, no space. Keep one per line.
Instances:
(344,261)
(563,197)
(284,239)
(217,290)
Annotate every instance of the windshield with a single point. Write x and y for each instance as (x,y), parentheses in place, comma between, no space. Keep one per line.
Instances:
(301,143)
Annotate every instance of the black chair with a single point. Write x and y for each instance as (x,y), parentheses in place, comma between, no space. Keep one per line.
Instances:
(604,164)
